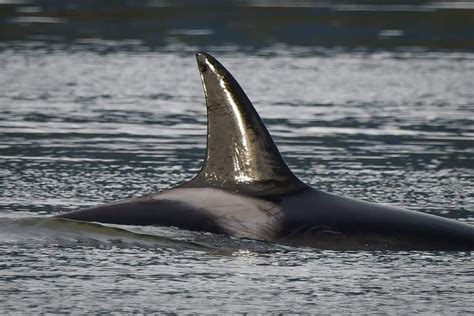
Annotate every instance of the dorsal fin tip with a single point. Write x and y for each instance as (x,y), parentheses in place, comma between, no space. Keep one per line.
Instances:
(241,155)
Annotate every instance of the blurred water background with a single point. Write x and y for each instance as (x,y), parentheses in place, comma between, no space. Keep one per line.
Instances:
(101,100)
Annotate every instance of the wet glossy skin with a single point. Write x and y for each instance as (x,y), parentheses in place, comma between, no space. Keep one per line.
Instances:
(318,219)
(307,218)
(241,155)
(245,189)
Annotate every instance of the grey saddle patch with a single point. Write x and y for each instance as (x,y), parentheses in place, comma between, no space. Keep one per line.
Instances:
(237,215)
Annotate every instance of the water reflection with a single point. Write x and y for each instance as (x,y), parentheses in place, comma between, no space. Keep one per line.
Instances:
(367,100)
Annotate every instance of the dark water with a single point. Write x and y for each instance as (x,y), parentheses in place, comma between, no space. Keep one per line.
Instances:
(100,102)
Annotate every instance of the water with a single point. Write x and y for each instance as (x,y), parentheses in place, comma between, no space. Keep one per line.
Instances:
(92,112)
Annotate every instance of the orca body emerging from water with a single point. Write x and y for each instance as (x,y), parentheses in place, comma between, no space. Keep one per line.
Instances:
(245,189)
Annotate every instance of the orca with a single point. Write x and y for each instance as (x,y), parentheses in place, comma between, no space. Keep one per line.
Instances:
(245,189)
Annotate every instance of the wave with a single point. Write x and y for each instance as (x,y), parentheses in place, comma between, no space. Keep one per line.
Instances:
(41,232)
(68,232)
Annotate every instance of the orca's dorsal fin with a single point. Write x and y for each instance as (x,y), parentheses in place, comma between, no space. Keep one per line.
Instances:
(241,155)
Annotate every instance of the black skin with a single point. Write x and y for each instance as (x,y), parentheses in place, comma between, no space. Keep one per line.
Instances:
(143,212)
(329,221)
(306,218)
(245,189)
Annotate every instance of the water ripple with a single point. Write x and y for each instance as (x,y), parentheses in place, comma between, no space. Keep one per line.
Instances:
(78,128)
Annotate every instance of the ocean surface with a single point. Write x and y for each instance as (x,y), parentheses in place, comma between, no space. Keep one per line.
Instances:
(100,102)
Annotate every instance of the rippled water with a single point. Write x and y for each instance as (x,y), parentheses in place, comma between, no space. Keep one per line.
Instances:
(86,122)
